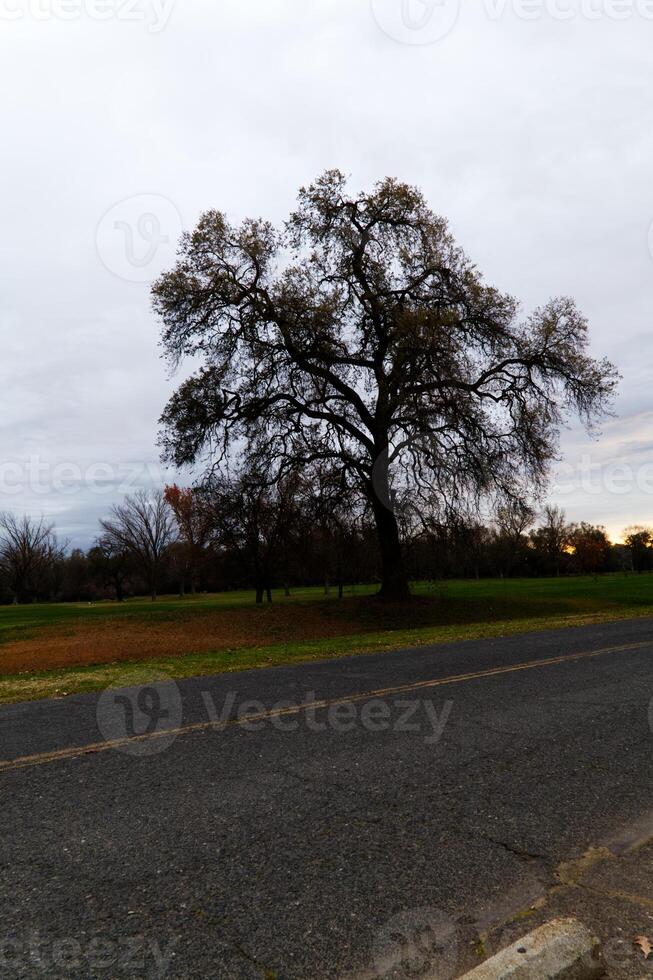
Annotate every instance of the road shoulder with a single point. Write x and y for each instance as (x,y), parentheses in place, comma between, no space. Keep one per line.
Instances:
(609,890)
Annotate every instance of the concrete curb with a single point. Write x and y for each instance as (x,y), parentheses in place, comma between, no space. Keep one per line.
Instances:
(563,949)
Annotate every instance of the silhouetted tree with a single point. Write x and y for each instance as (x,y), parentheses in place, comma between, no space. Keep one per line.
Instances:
(254,516)
(551,538)
(513,519)
(143,526)
(29,552)
(195,526)
(376,346)
(361,335)
(639,541)
(76,576)
(111,563)
(591,547)
(333,516)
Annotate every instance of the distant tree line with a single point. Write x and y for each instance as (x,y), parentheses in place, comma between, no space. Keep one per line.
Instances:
(248,533)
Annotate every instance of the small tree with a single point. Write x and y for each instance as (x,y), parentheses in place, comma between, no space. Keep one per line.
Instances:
(468,544)
(76,574)
(513,519)
(254,517)
(111,563)
(332,517)
(591,547)
(29,552)
(360,335)
(143,526)
(195,526)
(639,540)
(551,538)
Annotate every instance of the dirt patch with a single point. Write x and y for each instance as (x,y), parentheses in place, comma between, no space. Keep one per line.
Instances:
(162,634)
(120,640)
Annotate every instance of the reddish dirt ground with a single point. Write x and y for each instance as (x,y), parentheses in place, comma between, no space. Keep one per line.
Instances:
(126,639)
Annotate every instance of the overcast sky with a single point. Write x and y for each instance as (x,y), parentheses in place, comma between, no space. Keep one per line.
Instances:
(528,125)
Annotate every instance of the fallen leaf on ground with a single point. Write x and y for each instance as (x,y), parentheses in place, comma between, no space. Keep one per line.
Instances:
(644,944)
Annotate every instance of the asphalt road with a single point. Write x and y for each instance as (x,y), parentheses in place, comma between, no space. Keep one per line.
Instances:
(436,790)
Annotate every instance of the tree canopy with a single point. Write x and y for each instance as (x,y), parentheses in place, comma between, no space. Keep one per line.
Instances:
(360,336)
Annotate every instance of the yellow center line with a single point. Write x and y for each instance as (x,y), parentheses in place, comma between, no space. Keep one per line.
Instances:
(77,752)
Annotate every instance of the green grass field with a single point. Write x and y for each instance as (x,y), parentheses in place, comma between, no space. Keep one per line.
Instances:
(235,634)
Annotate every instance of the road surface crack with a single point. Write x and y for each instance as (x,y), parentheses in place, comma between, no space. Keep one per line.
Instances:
(521,853)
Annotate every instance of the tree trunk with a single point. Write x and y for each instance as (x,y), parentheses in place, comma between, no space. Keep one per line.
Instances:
(153,578)
(394,582)
(259,594)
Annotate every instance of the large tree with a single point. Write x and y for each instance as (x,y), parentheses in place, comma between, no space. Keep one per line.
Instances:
(360,334)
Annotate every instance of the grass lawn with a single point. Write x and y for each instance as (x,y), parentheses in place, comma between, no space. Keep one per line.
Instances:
(51,650)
